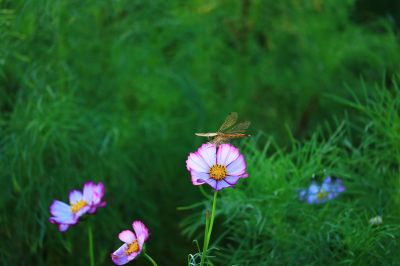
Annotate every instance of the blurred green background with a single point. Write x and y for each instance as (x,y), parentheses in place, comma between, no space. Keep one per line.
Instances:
(113,91)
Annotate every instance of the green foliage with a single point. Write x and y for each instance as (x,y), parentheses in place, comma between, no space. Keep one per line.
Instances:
(265,223)
(113,91)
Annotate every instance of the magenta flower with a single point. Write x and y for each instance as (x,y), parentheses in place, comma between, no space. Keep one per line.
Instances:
(65,215)
(220,167)
(133,243)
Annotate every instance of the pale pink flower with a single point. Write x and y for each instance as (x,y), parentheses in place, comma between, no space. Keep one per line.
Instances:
(65,215)
(133,243)
(220,167)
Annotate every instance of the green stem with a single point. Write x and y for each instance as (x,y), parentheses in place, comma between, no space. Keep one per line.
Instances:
(150,259)
(208,230)
(205,235)
(91,252)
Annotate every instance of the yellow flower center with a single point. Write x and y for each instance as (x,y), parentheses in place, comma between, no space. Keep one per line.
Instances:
(218,172)
(132,247)
(322,194)
(77,206)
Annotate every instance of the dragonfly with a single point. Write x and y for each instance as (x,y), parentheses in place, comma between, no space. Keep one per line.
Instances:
(228,130)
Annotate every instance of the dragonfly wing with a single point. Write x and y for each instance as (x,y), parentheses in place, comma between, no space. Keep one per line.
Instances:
(220,140)
(230,120)
(239,128)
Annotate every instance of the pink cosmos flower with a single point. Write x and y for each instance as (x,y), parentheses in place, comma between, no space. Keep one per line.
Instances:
(133,243)
(220,167)
(65,215)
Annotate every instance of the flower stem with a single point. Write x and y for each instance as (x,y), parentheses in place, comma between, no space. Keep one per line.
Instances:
(150,259)
(90,238)
(209,226)
(205,234)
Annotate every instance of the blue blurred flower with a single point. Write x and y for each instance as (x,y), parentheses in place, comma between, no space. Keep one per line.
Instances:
(328,190)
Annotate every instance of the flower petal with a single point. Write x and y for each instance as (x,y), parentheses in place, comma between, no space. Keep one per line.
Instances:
(93,194)
(302,194)
(211,182)
(327,184)
(63,220)
(75,196)
(231,180)
(133,255)
(339,187)
(141,231)
(58,208)
(313,189)
(326,187)
(93,209)
(311,199)
(208,152)
(226,154)
(198,178)
(327,180)
(195,162)
(222,184)
(98,193)
(82,211)
(237,167)
(331,195)
(88,191)
(127,236)
(63,227)
(62,213)
(119,257)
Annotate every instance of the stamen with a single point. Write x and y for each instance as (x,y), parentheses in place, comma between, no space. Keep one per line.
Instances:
(218,172)
(78,206)
(132,247)
(322,194)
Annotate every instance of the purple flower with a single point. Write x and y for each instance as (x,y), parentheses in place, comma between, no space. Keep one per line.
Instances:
(65,215)
(133,243)
(220,167)
(328,190)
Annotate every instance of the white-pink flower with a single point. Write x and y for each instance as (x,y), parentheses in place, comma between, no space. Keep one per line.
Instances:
(133,243)
(65,215)
(220,167)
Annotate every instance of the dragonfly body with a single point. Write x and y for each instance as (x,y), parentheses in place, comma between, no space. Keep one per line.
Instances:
(222,135)
(208,135)
(227,131)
